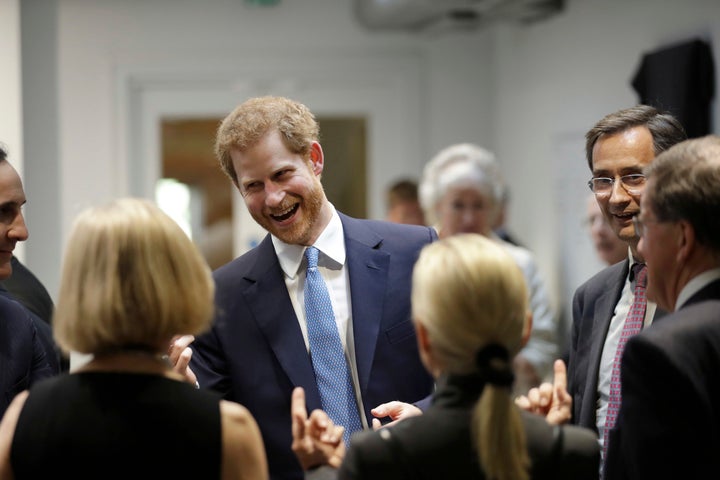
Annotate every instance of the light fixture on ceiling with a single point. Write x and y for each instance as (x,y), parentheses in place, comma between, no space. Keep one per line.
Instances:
(262,3)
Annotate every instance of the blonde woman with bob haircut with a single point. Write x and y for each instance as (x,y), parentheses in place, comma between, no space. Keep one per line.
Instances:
(133,287)
(470,308)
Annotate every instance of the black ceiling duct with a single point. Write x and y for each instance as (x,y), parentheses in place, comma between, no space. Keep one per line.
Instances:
(421,15)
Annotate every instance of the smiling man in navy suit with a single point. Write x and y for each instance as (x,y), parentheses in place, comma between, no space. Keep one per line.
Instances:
(258,349)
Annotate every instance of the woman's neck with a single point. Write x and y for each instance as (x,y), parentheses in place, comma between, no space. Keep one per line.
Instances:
(130,360)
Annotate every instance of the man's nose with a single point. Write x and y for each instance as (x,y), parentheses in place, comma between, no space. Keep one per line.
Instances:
(274,194)
(18,229)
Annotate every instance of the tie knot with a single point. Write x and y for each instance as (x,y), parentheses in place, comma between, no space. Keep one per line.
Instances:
(639,273)
(311,253)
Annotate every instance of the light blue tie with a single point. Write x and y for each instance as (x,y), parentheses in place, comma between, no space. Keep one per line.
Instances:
(331,368)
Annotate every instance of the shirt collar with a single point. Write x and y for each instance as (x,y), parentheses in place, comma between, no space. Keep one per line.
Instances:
(330,242)
(632,259)
(630,265)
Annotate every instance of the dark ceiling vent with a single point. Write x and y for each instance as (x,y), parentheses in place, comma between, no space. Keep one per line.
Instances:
(422,15)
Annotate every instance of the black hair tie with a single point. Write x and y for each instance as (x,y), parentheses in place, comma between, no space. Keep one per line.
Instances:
(493,362)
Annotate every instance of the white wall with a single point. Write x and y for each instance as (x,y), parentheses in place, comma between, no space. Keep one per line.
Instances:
(10,89)
(529,93)
(115,58)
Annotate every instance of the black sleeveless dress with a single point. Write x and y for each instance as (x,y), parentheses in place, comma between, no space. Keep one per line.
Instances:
(100,425)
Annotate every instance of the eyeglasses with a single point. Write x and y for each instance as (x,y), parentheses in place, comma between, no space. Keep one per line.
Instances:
(632,183)
(640,225)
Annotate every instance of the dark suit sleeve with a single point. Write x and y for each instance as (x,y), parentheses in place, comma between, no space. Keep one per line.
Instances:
(42,334)
(425,403)
(44,361)
(29,291)
(24,357)
(44,337)
(373,454)
(322,473)
(659,433)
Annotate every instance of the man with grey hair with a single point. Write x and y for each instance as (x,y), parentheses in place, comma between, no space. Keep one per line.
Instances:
(669,421)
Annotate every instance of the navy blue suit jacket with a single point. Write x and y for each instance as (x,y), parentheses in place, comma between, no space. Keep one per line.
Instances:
(23,359)
(57,362)
(669,420)
(255,353)
(594,304)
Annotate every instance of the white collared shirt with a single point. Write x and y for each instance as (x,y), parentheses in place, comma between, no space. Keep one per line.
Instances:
(331,265)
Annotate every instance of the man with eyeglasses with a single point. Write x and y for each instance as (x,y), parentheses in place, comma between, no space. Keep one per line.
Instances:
(618,148)
(670,407)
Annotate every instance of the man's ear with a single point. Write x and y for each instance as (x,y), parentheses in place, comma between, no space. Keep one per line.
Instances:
(527,328)
(686,241)
(317,159)
(426,351)
(422,338)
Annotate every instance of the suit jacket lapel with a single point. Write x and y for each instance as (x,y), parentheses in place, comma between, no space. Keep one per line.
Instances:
(603,313)
(368,271)
(268,298)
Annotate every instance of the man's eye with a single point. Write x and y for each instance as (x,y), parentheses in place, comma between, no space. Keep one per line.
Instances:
(282,173)
(633,179)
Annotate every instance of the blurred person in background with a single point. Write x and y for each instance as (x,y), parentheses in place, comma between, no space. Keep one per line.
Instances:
(403,205)
(460,192)
(609,248)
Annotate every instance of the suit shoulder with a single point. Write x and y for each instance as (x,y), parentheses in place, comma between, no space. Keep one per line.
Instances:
(239,266)
(608,275)
(696,322)
(389,233)
(17,323)
(12,310)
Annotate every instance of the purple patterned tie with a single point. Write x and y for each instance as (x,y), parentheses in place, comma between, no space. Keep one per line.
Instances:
(633,324)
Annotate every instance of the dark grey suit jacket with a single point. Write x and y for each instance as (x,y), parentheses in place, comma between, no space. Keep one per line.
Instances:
(593,307)
(669,420)
(255,353)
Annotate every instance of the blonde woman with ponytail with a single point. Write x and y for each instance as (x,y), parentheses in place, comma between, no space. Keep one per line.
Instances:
(471,316)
